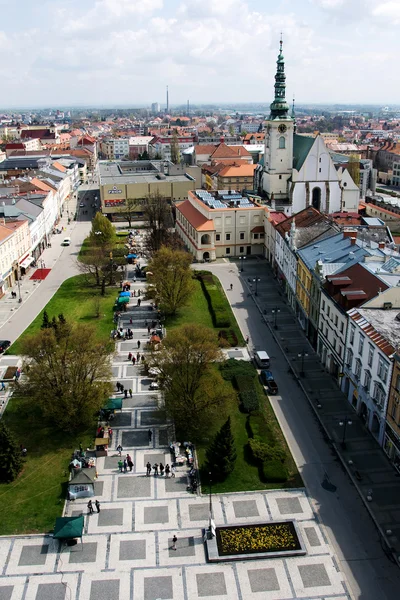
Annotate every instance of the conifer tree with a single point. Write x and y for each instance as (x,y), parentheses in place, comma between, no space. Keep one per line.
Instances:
(10,455)
(221,455)
(46,321)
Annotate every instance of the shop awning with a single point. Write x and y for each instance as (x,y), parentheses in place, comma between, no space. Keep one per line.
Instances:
(113,404)
(67,528)
(27,262)
(123,300)
(124,294)
(131,256)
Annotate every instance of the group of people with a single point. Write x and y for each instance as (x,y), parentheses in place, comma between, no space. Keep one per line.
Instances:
(123,465)
(135,359)
(90,506)
(101,432)
(121,389)
(159,469)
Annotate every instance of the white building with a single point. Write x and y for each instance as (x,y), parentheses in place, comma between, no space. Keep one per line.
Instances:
(114,148)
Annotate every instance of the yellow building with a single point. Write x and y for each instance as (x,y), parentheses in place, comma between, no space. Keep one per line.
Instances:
(303,286)
(237,177)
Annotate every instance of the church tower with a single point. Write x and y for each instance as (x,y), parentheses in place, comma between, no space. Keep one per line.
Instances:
(278,153)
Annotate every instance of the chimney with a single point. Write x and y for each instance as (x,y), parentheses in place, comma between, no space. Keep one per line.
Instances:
(349,234)
(353,241)
(381,245)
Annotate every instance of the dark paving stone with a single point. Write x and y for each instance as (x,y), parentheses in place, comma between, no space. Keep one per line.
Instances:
(153,458)
(130,439)
(175,484)
(111,516)
(199,512)
(76,513)
(111,462)
(138,400)
(105,589)
(289,505)
(144,384)
(50,591)
(115,371)
(155,514)
(312,536)
(314,575)
(245,508)
(6,592)
(132,550)
(263,580)
(83,553)
(211,584)
(122,419)
(98,488)
(235,354)
(133,371)
(150,418)
(184,547)
(163,438)
(32,556)
(133,487)
(158,588)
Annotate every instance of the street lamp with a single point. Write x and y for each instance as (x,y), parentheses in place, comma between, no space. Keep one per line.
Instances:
(19,284)
(302,355)
(343,423)
(242,259)
(210,507)
(275,313)
(256,280)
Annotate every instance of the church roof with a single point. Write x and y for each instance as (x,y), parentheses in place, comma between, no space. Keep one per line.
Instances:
(301,147)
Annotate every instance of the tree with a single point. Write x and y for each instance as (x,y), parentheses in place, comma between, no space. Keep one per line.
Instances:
(221,454)
(158,221)
(45,321)
(129,209)
(10,455)
(68,374)
(353,168)
(194,390)
(102,233)
(171,282)
(175,154)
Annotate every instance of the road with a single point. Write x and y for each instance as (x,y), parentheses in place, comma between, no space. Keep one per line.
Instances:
(345,521)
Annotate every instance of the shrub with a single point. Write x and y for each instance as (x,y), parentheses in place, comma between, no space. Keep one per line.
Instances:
(232,368)
(249,401)
(262,452)
(216,305)
(273,471)
(244,383)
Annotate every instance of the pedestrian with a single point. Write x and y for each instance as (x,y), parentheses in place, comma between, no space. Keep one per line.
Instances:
(118,386)
(130,321)
(173,470)
(134,293)
(3,387)
(148,469)
(119,450)
(125,465)
(148,329)
(121,388)
(126,393)
(110,434)
(231,286)
(139,302)
(130,393)
(138,293)
(155,468)
(90,507)
(129,461)
(174,540)
(97,503)
(167,470)
(161,469)
(138,357)
(247,339)
(120,465)
(130,356)
(150,434)
(138,344)
(133,360)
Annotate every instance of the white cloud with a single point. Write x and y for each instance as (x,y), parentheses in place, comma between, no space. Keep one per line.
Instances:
(389,11)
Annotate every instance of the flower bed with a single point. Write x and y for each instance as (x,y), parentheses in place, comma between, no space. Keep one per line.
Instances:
(265,538)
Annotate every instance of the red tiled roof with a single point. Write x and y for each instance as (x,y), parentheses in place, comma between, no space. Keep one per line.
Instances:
(371,332)
(304,218)
(197,220)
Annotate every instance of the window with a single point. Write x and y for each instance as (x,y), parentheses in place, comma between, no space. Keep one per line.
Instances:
(370,355)
(341,327)
(218,237)
(383,369)
(323,305)
(336,320)
(349,360)
(280,176)
(361,344)
(228,220)
(241,235)
(367,381)
(328,311)
(397,386)
(227,250)
(357,369)
(282,143)
(379,394)
(340,350)
(227,236)
(241,249)
(393,410)
(255,236)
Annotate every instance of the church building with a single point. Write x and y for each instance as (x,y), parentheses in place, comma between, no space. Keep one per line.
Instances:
(297,171)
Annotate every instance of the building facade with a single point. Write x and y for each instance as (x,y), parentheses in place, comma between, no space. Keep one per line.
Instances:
(391,443)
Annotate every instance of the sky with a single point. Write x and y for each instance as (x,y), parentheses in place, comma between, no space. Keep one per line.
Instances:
(125,52)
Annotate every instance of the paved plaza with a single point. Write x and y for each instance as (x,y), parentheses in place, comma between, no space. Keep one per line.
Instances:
(126,551)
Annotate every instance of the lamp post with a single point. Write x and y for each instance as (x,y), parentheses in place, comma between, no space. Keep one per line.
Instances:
(256,280)
(19,284)
(302,355)
(275,312)
(343,423)
(242,259)
(210,507)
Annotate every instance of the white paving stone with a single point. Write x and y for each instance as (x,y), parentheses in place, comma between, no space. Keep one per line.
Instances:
(126,564)
(254,568)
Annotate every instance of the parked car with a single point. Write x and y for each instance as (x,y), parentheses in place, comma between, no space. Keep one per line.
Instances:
(154,385)
(261,359)
(268,380)
(4,344)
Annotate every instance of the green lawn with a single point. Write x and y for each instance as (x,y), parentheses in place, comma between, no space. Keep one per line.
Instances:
(77,301)
(196,311)
(33,501)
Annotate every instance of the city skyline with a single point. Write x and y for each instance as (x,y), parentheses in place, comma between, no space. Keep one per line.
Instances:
(125,54)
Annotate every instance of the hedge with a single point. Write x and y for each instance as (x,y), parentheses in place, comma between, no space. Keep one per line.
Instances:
(274,471)
(232,368)
(249,401)
(219,314)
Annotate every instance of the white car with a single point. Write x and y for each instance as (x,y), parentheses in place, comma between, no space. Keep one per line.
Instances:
(154,385)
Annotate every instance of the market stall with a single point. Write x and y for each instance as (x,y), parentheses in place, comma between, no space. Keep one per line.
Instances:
(101,445)
(69,528)
(82,484)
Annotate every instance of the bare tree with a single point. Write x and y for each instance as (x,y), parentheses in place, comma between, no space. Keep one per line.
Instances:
(159,222)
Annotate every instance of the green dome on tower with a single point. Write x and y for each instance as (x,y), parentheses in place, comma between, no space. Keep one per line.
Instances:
(279,107)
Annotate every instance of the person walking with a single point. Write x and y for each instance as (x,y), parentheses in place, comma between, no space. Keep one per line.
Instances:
(97,503)
(247,339)
(110,434)
(126,393)
(139,302)
(148,329)
(173,471)
(231,286)
(125,465)
(133,360)
(148,469)
(155,467)
(138,357)
(161,469)
(118,386)
(174,540)
(120,465)
(130,462)
(138,344)
(167,470)
(90,507)
(119,450)
(130,393)
(3,387)
(150,434)
(130,356)
(121,388)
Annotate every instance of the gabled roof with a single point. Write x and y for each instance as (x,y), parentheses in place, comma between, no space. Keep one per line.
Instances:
(378,325)
(205,148)
(302,145)
(197,220)
(244,170)
(224,151)
(304,218)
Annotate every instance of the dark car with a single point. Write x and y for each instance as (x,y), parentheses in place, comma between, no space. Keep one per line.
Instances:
(268,380)
(4,344)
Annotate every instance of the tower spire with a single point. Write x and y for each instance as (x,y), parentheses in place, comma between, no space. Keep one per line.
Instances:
(293,115)
(279,107)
